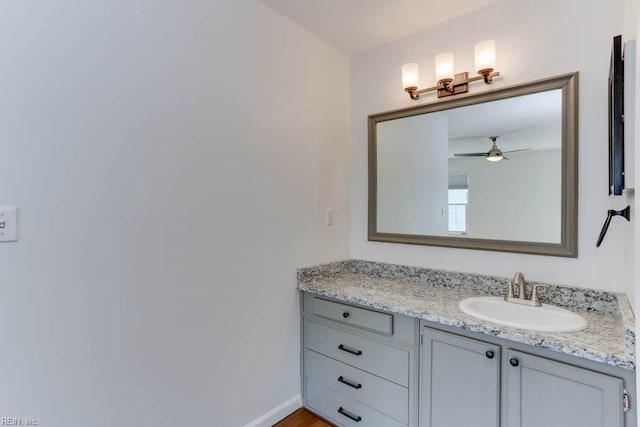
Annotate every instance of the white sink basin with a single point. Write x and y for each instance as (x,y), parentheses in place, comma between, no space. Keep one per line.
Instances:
(547,318)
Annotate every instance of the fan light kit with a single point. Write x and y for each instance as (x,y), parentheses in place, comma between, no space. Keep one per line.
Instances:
(450,83)
(494,154)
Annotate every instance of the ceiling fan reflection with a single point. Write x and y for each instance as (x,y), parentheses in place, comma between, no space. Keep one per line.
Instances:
(494,154)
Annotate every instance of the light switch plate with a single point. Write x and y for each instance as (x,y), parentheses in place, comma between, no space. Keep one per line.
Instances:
(329,216)
(8,223)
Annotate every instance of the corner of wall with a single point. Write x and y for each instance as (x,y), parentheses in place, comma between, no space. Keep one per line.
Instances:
(278,413)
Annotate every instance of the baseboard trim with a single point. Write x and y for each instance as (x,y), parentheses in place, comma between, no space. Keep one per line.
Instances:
(277,413)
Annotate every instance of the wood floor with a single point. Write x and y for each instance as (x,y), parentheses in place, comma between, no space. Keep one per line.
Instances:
(302,418)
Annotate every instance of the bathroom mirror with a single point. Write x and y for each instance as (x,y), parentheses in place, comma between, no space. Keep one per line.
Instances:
(495,170)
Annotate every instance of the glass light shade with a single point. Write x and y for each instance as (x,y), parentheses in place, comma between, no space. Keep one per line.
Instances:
(485,53)
(444,66)
(495,157)
(410,75)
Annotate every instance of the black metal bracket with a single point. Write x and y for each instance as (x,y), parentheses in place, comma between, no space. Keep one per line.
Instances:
(625,213)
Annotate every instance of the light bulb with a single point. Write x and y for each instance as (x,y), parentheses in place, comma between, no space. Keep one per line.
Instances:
(485,53)
(410,76)
(444,66)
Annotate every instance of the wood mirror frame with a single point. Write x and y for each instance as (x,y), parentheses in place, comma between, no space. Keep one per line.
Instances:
(568,246)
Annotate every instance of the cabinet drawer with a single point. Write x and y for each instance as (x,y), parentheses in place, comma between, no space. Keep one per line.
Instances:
(379,359)
(343,410)
(355,316)
(387,397)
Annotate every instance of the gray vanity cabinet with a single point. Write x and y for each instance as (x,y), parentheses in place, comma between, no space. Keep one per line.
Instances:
(543,392)
(465,381)
(371,368)
(460,381)
(359,365)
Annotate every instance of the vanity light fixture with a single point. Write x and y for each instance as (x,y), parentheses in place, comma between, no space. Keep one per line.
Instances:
(449,82)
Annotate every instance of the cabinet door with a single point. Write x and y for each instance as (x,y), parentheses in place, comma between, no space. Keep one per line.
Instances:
(460,381)
(543,392)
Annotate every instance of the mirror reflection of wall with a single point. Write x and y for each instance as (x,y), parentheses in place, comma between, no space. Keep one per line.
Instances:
(517,199)
(412,175)
(433,177)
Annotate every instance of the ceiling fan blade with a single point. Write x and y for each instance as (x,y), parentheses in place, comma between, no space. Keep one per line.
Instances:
(515,151)
(470,154)
(505,158)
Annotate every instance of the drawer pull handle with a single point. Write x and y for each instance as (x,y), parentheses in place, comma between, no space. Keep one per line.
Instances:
(349,383)
(489,354)
(514,361)
(345,314)
(343,348)
(356,418)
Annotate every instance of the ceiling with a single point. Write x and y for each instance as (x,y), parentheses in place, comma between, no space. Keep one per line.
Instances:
(532,121)
(355,26)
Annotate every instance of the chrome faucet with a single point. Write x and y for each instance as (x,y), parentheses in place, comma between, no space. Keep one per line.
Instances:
(523,298)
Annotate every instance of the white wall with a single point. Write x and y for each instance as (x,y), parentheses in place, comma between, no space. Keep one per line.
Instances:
(632,22)
(628,197)
(631,180)
(172,161)
(534,40)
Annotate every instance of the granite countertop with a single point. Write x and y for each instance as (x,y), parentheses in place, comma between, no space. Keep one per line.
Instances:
(433,295)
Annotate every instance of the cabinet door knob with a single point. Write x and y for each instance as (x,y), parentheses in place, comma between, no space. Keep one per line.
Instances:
(514,362)
(345,314)
(489,354)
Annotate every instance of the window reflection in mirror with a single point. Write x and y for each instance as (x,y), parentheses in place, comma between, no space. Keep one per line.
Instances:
(458,196)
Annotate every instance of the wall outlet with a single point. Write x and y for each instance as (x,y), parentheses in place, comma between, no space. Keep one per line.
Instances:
(8,223)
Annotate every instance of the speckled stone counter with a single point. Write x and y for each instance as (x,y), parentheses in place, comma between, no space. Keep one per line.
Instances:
(433,295)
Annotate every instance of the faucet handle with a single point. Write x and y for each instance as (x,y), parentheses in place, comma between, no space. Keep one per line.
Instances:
(534,294)
(510,295)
